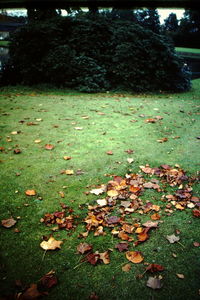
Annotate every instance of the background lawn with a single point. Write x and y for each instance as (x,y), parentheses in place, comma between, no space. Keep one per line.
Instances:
(85,127)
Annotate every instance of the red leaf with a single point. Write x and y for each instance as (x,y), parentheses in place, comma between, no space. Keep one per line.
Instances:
(49,280)
(92,258)
(49,146)
(196,213)
(154,268)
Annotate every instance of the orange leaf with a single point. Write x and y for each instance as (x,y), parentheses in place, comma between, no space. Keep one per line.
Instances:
(134,256)
(155,217)
(134,189)
(49,146)
(30,192)
(67,157)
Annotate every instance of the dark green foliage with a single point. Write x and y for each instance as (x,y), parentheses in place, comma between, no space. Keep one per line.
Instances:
(94,52)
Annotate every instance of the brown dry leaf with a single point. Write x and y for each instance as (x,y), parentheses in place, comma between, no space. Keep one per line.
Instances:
(154,268)
(51,244)
(84,247)
(148,185)
(143,236)
(129,151)
(122,246)
(48,280)
(17,151)
(31,293)
(172,238)
(92,258)
(49,147)
(126,268)
(163,140)
(105,257)
(181,276)
(155,207)
(99,231)
(69,172)
(7,223)
(66,157)
(154,283)
(109,152)
(134,256)
(134,189)
(124,236)
(30,192)
(112,193)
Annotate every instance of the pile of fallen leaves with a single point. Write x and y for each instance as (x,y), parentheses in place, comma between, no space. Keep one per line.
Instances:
(122,200)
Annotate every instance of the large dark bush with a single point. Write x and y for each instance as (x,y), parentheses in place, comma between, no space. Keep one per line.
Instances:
(94,53)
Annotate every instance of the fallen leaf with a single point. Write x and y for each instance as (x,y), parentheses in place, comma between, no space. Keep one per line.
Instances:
(130,160)
(172,238)
(155,217)
(112,193)
(69,172)
(30,192)
(93,258)
(109,152)
(62,194)
(126,268)
(14,132)
(163,140)
(151,120)
(38,141)
(113,220)
(129,151)
(181,276)
(102,202)
(122,246)
(67,157)
(154,283)
(98,191)
(134,256)
(7,223)
(196,244)
(78,128)
(48,280)
(84,247)
(104,257)
(31,293)
(196,213)
(49,147)
(150,224)
(154,268)
(51,244)
(17,151)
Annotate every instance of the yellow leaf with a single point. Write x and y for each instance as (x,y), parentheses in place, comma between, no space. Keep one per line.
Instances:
(69,172)
(51,244)
(30,192)
(112,193)
(67,157)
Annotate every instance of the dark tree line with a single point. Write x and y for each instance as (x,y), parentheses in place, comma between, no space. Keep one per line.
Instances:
(95,51)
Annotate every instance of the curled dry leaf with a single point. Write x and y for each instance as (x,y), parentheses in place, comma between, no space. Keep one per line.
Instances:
(84,247)
(181,276)
(49,147)
(7,223)
(126,268)
(51,244)
(104,256)
(30,192)
(134,256)
(154,283)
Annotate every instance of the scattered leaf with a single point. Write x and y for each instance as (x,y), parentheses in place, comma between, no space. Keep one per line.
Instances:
(32,293)
(84,247)
(17,151)
(196,213)
(67,157)
(49,280)
(129,151)
(154,268)
(102,202)
(130,160)
(163,140)
(37,141)
(78,128)
(150,224)
(181,276)
(172,238)
(51,244)
(49,147)
(112,193)
(104,257)
(98,191)
(134,256)
(126,268)
(109,152)
(122,246)
(196,244)
(154,283)
(7,223)
(69,172)
(30,192)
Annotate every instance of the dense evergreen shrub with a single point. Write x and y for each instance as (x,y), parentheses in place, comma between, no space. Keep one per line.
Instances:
(94,53)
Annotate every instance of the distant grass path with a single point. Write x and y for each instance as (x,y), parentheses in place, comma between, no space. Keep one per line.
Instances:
(85,127)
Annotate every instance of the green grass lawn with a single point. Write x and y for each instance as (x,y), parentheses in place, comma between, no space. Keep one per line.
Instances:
(4,43)
(85,127)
